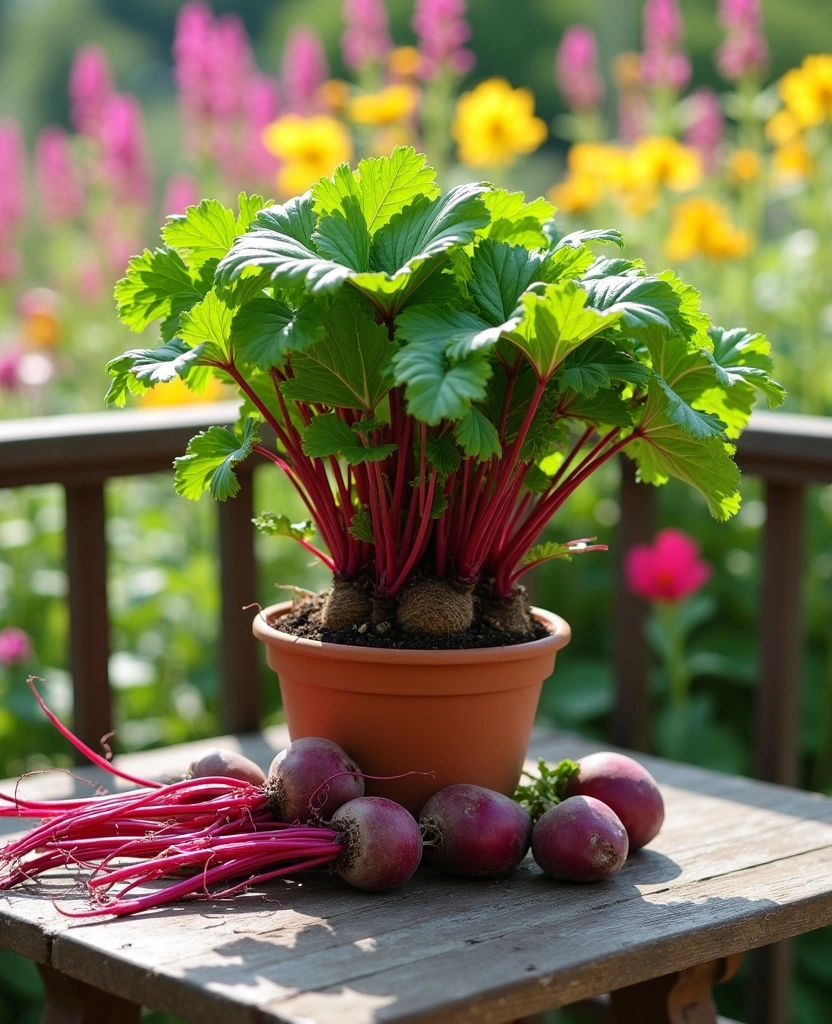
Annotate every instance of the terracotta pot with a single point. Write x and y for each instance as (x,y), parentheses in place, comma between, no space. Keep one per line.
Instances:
(464,715)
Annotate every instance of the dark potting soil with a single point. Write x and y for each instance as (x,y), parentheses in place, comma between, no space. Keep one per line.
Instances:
(305,620)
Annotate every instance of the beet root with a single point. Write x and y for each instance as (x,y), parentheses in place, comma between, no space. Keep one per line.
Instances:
(580,840)
(625,786)
(311,778)
(382,843)
(474,831)
(226,764)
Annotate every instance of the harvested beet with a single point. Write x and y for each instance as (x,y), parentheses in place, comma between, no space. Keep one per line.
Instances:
(474,831)
(226,764)
(580,840)
(382,843)
(312,778)
(627,787)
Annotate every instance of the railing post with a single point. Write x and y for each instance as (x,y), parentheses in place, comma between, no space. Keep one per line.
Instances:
(631,717)
(778,701)
(89,622)
(239,684)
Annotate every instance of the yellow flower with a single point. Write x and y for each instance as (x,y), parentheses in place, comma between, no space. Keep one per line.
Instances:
(782,127)
(576,193)
(791,161)
(495,124)
(662,162)
(177,392)
(404,62)
(392,104)
(701,227)
(334,94)
(309,148)
(807,90)
(744,164)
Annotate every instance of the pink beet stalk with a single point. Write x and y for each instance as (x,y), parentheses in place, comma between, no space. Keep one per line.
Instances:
(365,41)
(305,67)
(664,65)
(576,69)
(59,188)
(442,29)
(744,50)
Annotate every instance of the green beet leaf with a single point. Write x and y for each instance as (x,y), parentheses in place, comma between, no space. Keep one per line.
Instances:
(209,461)
(328,434)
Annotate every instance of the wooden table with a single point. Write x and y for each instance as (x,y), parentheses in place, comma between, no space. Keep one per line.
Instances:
(739,864)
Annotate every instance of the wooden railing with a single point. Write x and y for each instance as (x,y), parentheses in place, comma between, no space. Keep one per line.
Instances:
(81,453)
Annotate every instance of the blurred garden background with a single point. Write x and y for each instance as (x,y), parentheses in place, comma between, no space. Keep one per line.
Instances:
(702,129)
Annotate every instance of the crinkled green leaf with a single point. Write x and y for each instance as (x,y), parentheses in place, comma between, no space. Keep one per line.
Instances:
(605,408)
(565,264)
(745,358)
(208,323)
(555,320)
(443,454)
(382,186)
(695,422)
(249,207)
(328,434)
(142,368)
(597,365)
(349,367)
(343,236)
(642,302)
(202,233)
(516,221)
(209,461)
(478,436)
(500,273)
(158,285)
(275,525)
(576,239)
(616,266)
(545,552)
(437,389)
(361,526)
(266,330)
(459,332)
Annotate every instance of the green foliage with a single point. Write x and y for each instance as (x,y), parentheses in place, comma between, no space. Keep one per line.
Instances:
(274,525)
(208,463)
(328,434)
(545,787)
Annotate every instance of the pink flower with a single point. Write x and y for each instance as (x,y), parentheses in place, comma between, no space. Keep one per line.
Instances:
(59,187)
(124,158)
(10,371)
(669,569)
(744,50)
(366,38)
(663,62)
(229,67)
(12,196)
(304,68)
(90,87)
(15,646)
(261,109)
(442,29)
(192,52)
(576,69)
(181,192)
(707,125)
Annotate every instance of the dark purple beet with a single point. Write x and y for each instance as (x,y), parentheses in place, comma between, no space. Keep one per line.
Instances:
(475,831)
(312,778)
(228,764)
(382,843)
(580,840)
(625,786)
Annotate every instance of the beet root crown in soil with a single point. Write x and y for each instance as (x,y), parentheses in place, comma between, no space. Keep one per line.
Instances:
(435,374)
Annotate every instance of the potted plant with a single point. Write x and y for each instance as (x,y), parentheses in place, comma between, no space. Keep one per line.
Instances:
(435,374)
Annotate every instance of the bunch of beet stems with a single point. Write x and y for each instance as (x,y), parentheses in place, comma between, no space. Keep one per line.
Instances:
(213,829)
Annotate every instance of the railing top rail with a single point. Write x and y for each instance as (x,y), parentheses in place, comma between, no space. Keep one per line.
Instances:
(94,446)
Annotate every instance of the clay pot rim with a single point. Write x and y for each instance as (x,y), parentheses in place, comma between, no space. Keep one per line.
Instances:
(560,634)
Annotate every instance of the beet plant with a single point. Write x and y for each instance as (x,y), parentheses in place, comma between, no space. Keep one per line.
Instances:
(436,375)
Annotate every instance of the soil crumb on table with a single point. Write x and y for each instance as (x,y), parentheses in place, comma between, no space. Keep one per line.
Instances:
(305,620)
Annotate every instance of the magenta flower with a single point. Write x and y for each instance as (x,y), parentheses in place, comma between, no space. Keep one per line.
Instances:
(262,107)
(15,646)
(442,29)
(707,126)
(744,50)
(576,69)
(181,192)
(663,63)
(304,68)
(59,187)
(192,53)
(12,197)
(90,88)
(10,368)
(124,159)
(229,67)
(366,37)
(669,569)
